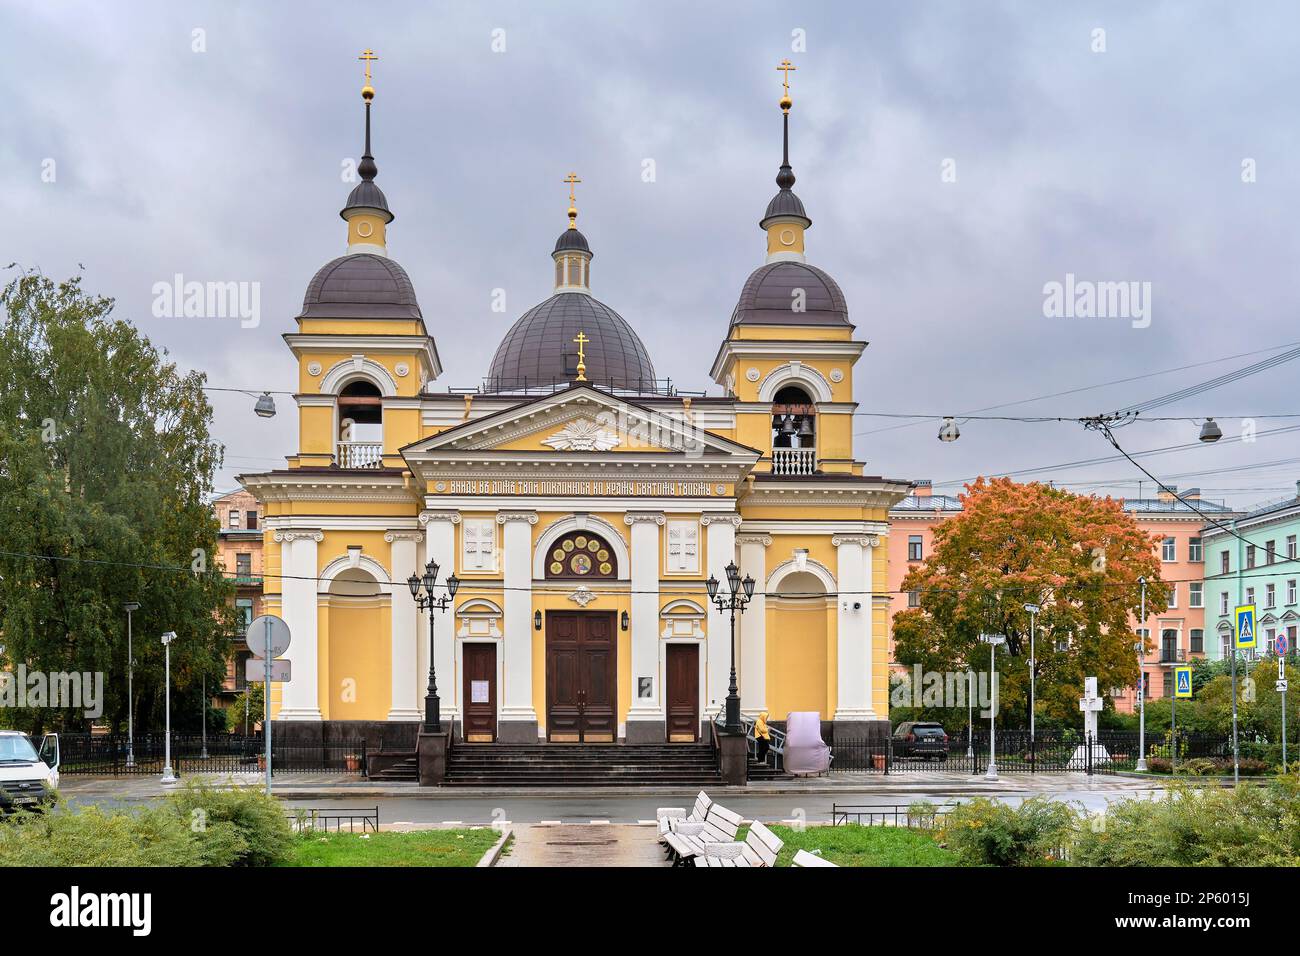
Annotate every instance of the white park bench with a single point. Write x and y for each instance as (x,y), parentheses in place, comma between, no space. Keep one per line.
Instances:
(687,840)
(666,816)
(760,848)
(804,858)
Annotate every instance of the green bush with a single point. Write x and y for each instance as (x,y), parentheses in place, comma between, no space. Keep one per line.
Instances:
(194,827)
(986,832)
(245,818)
(1198,826)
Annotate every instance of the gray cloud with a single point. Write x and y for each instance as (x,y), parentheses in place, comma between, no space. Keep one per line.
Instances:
(1123,165)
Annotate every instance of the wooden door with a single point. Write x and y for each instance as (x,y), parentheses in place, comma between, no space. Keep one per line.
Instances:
(581,676)
(480,693)
(682,692)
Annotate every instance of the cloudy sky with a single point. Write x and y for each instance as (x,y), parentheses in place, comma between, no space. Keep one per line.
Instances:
(955,157)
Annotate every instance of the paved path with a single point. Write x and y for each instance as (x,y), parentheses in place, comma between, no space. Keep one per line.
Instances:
(584,845)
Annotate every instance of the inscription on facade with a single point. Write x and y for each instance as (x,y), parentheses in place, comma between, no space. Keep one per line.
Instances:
(600,487)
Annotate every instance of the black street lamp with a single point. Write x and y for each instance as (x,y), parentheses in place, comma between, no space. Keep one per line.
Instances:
(427,602)
(741,594)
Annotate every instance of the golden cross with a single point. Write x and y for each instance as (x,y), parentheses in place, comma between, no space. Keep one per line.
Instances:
(582,340)
(367,56)
(786,67)
(572,179)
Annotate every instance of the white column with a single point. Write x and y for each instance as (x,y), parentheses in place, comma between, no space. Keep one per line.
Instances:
(752,655)
(517,574)
(299,697)
(853,627)
(405,629)
(440,546)
(720,542)
(645,616)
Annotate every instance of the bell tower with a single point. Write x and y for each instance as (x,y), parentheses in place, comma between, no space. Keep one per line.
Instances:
(789,353)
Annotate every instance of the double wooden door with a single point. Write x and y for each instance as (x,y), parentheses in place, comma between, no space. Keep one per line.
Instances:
(581,676)
(683,692)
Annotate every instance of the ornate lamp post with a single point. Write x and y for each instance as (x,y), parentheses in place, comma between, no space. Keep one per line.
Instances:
(427,602)
(742,592)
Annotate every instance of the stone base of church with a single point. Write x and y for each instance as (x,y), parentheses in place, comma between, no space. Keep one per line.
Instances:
(646,732)
(875,732)
(517,731)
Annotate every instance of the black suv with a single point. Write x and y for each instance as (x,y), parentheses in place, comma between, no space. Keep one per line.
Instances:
(918,738)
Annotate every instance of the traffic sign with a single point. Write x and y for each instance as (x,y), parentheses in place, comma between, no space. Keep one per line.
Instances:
(1280,645)
(255,671)
(1281,686)
(1183,681)
(1245,625)
(255,635)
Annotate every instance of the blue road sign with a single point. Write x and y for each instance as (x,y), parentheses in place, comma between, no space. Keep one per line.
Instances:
(1245,625)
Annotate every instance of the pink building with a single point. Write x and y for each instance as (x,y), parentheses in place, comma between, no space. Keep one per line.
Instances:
(239,555)
(1176,632)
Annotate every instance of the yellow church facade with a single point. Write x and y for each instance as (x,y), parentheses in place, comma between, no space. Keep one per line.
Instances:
(582,503)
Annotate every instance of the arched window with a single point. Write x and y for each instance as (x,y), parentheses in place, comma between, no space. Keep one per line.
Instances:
(580,555)
(794,419)
(361,426)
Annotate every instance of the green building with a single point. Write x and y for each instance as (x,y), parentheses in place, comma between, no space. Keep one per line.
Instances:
(1257,565)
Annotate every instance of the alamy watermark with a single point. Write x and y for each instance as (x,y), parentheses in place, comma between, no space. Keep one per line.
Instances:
(208,300)
(1084,299)
(955,689)
(57,690)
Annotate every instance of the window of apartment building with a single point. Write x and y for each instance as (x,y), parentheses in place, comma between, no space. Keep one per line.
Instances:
(1270,595)
(1194,550)
(1143,633)
(244,565)
(1270,551)
(1223,602)
(1173,596)
(1290,546)
(1225,645)
(1250,595)
(1169,550)
(1250,556)
(1169,645)
(913,598)
(1168,690)
(1225,562)
(244,608)
(1197,640)
(1195,594)
(252,520)
(232,520)
(914,547)
(1290,591)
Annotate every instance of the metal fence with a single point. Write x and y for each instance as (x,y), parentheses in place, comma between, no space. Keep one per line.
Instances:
(1016,751)
(317,820)
(190,753)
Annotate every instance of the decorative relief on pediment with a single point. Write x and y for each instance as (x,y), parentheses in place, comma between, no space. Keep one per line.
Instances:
(583,434)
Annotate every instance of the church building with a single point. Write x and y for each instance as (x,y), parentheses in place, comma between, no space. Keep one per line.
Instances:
(582,504)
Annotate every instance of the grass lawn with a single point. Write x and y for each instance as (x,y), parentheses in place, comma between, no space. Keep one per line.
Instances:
(419,848)
(855,845)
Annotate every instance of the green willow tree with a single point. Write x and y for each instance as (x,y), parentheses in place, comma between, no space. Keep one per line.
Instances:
(105,461)
(1078,557)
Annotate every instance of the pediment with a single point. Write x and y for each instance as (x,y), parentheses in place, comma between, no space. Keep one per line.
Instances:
(580,421)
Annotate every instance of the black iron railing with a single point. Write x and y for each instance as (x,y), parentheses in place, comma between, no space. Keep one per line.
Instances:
(219,753)
(317,820)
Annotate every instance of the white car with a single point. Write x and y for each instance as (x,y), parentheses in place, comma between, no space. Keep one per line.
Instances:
(28,779)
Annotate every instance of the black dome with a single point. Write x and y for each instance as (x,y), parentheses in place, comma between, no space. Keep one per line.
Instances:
(360,286)
(366,195)
(785,203)
(572,239)
(539,349)
(767,297)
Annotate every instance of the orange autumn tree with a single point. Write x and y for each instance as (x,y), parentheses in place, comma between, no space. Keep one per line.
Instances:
(1077,557)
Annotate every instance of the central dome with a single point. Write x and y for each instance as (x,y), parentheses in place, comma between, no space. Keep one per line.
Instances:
(539,350)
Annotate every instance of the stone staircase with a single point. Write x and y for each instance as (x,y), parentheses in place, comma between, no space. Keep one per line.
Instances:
(577,765)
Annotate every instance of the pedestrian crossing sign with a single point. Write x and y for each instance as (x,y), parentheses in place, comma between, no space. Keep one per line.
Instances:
(1183,681)
(1246,625)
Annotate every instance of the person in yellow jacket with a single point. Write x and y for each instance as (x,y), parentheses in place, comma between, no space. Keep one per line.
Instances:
(762,736)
